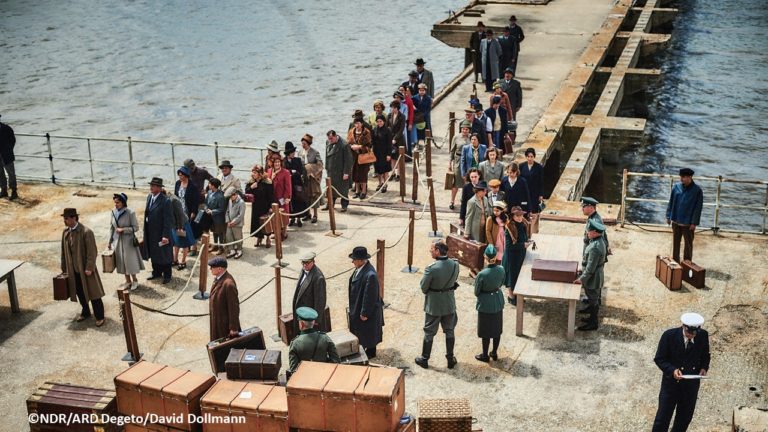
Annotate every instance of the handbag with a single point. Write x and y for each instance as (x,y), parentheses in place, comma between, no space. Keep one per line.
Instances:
(450,178)
(108,261)
(366,158)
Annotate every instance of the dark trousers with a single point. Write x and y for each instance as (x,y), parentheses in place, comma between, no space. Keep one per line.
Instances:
(11,180)
(676,396)
(685,232)
(344,202)
(433,322)
(98,305)
(161,270)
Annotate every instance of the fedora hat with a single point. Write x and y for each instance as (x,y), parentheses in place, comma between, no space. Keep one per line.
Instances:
(289,148)
(273,146)
(420,62)
(359,253)
(307,138)
(156,181)
(69,212)
(225,164)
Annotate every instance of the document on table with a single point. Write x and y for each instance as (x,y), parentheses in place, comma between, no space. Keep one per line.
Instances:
(695,377)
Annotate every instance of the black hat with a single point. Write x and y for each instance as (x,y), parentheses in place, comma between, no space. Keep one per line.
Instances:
(507,29)
(225,163)
(481,185)
(510,70)
(686,172)
(413,74)
(489,32)
(358,114)
(156,181)
(359,253)
(398,94)
(513,18)
(478,107)
(289,148)
(70,212)
(121,196)
(420,62)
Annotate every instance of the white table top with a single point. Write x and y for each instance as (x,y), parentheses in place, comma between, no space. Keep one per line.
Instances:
(7,266)
(550,247)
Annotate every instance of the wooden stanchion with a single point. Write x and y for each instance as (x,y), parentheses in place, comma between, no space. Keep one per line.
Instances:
(331,210)
(277,229)
(415,175)
(451,127)
(202,285)
(278,296)
(432,210)
(411,225)
(380,246)
(401,173)
(126,314)
(428,152)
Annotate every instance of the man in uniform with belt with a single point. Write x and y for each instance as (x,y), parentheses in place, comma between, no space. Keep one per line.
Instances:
(592,272)
(589,209)
(683,351)
(438,285)
(310,344)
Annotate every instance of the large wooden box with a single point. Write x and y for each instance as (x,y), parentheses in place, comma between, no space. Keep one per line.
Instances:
(287,330)
(60,289)
(380,400)
(304,392)
(554,270)
(246,404)
(218,350)
(468,252)
(444,415)
(693,274)
(182,398)
(253,364)
(151,390)
(669,273)
(346,343)
(215,404)
(127,387)
(339,398)
(273,411)
(65,399)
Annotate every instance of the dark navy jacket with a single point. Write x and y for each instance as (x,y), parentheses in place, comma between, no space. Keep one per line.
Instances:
(685,204)
(535,179)
(671,354)
(517,195)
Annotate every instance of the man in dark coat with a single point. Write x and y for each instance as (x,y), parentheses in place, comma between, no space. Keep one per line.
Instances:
(425,77)
(509,47)
(310,290)
(223,305)
(7,143)
(366,312)
(198,176)
(412,83)
(515,33)
(310,344)
(474,46)
(682,352)
(158,223)
(338,164)
(684,213)
(512,88)
(496,111)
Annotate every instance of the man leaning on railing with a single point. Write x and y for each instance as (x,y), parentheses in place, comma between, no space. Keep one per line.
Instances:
(684,213)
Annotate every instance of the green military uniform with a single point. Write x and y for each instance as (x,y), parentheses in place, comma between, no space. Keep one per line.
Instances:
(597,218)
(592,273)
(438,285)
(310,344)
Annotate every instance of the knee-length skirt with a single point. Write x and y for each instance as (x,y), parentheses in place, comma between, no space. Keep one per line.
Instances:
(490,325)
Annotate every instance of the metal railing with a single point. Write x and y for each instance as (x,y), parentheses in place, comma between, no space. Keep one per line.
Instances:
(718,205)
(154,157)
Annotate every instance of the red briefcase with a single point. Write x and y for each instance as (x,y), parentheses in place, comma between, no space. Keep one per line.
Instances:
(554,271)
(693,274)
(468,252)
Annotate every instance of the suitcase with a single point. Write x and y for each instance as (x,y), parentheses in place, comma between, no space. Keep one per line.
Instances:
(693,274)
(108,261)
(438,415)
(380,400)
(253,364)
(346,343)
(358,359)
(468,252)
(338,397)
(215,405)
(669,273)
(554,271)
(65,399)
(60,289)
(151,390)
(267,228)
(287,331)
(304,391)
(181,399)
(149,427)
(456,227)
(218,350)
(127,387)
(246,403)
(272,414)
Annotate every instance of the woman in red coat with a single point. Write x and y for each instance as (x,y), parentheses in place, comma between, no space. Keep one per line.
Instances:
(281,183)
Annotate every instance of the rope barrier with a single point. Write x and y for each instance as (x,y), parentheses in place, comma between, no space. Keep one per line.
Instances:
(368,198)
(309,207)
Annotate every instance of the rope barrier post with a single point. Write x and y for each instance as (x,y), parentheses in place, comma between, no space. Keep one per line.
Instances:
(278,297)
(50,157)
(277,230)
(126,315)
(415,184)
(202,285)
(432,211)
(401,172)
(451,126)
(428,151)
(623,197)
(331,211)
(411,224)
(380,247)
(131,161)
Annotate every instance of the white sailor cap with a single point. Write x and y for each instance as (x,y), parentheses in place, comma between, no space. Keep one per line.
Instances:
(692,320)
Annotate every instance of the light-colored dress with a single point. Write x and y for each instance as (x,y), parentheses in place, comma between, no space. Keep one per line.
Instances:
(127,256)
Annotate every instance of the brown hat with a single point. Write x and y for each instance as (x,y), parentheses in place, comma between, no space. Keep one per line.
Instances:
(494,183)
(70,212)
(307,138)
(516,210)
(358,114)
(156,181)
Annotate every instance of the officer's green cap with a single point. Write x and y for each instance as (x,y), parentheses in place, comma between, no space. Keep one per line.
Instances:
(588,201)
(306,313)
(596,226)
(490,251)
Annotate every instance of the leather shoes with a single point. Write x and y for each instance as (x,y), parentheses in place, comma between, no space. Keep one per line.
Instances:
(483,358)
(421,361)
(493,355)
(324,208)
(166,281)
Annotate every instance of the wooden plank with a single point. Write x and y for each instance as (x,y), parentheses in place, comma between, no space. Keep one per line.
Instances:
(519,311)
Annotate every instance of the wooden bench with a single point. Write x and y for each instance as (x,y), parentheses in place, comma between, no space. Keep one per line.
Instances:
(549,247)
(7,267)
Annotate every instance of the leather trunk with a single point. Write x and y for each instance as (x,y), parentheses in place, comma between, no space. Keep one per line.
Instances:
(127,387)
(468,252)
(60,289)
(346,343)
(358,359)
(694,274)
(304,391)
(554,271)
(339,398)
(380,400)
(108,261)
(246,404)
(182,398)
(253,364)
(287,332)
(148,428)
(273,411)
(151,390)
(669,272)
(216,404)
(439,415)
(65,399)
(218,350)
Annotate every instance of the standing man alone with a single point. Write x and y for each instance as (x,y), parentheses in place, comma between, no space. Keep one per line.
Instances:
(158,223)
(366,314)
(7,143)
(684,213)
(592,275)
(224,305)
(78,262)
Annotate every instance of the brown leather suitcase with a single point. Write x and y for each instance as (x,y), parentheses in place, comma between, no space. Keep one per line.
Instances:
(60,289)
(151,390)
(148,428)
(456,227)
(346,343)
(253,364)
(66,399)
(273,414)
(287,332)
(437,415)
(693,274)
(358,359)
(218,350)
(339,397)
(108,261)
(669,272)
(127,387)
(268,227)
(554,271)
(246,403)
(304,391)
(468,252)
(182,398)
(380,400)
(215,404)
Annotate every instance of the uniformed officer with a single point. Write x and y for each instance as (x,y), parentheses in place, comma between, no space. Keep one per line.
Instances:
(310,344)
(683,351)
(589,208)
(438,285)
(592,272)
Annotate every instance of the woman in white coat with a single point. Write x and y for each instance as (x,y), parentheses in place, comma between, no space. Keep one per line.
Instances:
(122,239)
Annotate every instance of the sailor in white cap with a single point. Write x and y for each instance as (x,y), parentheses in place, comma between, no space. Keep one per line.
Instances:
(683,357)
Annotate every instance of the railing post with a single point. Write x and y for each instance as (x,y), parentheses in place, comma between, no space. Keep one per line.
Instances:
(428,152)
(380,262)
(129,329)
(173,161)
(451,127)
(765,209)
(277,229)
(278,296)
(717,203)
(50,157)
(624,178)
(203,278)
(415,181)
(411,224)
(130,157)
(401,172)
(216,152)
(90,159)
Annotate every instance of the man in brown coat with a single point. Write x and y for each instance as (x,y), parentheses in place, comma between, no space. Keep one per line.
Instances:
(224,306)
(78,261)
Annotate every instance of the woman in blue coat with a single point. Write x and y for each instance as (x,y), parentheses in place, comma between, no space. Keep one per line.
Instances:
(472,155)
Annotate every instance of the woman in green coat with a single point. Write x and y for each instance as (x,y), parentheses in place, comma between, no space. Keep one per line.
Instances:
(490,305)
(517,235)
